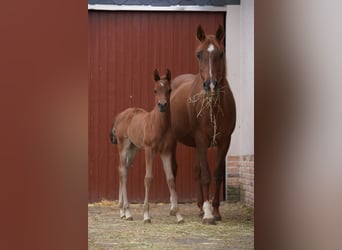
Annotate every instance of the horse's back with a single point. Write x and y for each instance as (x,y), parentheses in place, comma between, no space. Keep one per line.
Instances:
(182,81)
(127,115)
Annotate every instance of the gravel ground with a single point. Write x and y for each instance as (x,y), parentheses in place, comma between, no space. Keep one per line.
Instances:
(107,231)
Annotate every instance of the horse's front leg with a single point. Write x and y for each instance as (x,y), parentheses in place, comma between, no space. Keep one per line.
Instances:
(169,173)
(219,176)
(149,156)
(202,177)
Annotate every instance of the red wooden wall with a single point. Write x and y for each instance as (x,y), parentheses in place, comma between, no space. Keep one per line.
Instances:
(124,49)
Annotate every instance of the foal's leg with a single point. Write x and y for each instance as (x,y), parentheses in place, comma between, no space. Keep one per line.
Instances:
(122,211)
(127,153)
(169,173)
(149,156)
(219,175)
(121,172)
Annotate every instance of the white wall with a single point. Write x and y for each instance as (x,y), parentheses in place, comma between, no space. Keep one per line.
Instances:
(240,73)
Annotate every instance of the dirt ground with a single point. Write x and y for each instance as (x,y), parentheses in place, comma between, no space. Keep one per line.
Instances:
(107,231)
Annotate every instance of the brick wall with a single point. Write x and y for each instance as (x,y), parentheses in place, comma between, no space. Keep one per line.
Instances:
(240,179)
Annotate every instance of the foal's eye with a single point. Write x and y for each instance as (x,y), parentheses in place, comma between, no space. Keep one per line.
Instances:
(221,54)
(169,91)
(199,54)
(155,91)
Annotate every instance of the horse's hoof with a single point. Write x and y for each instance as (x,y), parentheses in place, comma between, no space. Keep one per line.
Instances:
(217,217)
(209,221)
(123,217)
(129,218)
(147,221)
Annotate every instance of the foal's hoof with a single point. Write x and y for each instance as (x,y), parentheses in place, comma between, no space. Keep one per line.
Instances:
(129,218)
(147,221)
(123,217)
(181,221)
(173,213)
(209,221)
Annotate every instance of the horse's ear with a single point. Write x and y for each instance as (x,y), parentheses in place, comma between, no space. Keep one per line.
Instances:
(219,33)
(200,33)
(156,75)
(168,75)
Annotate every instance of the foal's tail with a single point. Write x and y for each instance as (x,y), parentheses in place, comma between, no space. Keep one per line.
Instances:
(112,136)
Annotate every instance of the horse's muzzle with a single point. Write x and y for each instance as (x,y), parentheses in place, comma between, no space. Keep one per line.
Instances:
(210,85)
(162,107)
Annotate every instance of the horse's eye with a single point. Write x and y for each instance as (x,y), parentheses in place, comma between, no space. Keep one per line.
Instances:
(199,54)
(221,54)
(169,91)
(155,91)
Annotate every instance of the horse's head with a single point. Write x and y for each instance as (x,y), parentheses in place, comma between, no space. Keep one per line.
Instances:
(162,90)
(211,58)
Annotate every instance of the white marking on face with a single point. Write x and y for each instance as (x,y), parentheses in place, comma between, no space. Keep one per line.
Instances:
(211,48)
(162,84)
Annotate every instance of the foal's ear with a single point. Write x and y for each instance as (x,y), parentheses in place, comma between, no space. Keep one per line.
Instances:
(200,33)
(156,75)
(219,33)
(168,75)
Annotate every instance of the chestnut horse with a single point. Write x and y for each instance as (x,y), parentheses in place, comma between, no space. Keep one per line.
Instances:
(203,115)
(134,129)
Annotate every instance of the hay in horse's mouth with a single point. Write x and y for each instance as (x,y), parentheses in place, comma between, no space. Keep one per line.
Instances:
(209,100)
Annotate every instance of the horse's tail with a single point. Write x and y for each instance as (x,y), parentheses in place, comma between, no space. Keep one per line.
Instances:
(112,136)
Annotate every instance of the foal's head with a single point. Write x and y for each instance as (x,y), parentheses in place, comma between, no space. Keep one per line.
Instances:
(162,90)
(211,58)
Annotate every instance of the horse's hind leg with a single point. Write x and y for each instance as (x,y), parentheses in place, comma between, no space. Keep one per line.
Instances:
(219,175)
(169,173)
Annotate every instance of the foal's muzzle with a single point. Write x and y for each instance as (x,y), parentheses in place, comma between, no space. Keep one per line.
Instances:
(210,85)
(162,107)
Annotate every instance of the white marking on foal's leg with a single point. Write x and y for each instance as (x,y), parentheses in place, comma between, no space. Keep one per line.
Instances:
(147,217)
(179,218)
(128,214)
(122,213)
